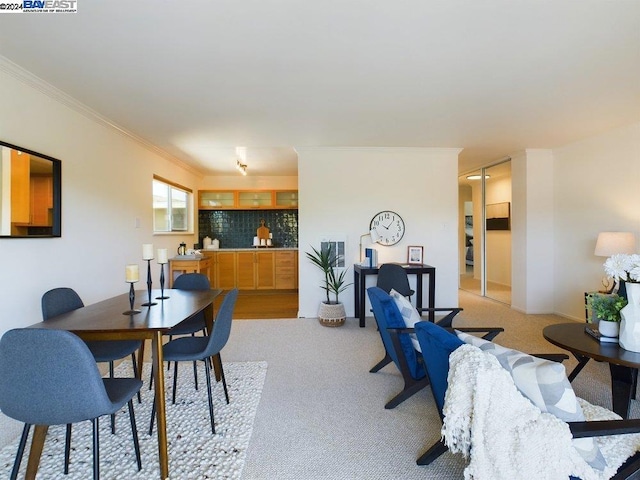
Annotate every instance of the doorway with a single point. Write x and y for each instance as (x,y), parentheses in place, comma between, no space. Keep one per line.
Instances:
(485,232)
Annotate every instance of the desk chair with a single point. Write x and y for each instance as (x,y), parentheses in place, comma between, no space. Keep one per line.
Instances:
(393,276)
(49,377)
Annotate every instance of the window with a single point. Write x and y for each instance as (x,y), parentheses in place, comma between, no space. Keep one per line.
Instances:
(171,206)
(337,248)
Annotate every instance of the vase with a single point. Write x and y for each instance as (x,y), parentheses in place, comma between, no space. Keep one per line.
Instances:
(608,329)
(630,319)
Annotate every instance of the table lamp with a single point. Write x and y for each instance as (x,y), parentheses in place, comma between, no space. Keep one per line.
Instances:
(611,243)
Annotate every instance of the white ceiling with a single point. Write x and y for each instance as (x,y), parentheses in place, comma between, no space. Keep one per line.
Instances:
(198,78)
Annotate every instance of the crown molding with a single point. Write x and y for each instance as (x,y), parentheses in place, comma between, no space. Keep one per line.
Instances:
(24,76)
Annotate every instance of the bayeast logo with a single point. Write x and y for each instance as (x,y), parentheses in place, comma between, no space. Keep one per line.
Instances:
(50,6)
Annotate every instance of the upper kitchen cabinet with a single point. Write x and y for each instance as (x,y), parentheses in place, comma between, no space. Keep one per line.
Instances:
(255,199)
(247,199)
(286,198)
(216,199)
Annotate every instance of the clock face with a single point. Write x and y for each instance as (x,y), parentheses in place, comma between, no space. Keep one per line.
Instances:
(389,226)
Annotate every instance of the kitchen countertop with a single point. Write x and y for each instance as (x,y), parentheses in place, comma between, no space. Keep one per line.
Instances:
(248,248)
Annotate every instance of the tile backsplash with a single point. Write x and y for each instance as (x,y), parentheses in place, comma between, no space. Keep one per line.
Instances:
(236,228)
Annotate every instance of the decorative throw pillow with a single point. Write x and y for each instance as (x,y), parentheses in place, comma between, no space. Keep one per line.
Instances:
(545,384)
(409,314)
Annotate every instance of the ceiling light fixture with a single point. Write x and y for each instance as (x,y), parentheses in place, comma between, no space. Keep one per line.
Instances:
(242,167)
(477,177)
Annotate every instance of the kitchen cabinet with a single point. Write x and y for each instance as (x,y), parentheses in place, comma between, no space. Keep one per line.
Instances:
(255,199)
(216,199)
(247,199)
(286,198)
(225,270)
(20,188)
(42,200)
(257,269)
(286,272)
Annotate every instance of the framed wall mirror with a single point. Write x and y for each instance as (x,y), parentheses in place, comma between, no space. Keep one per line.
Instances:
(30,193)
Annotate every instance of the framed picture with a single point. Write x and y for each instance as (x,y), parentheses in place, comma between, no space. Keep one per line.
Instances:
(414,255)
(498,216)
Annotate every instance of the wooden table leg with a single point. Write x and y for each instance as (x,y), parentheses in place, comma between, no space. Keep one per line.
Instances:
(37,443)
(161,414)
(140,360)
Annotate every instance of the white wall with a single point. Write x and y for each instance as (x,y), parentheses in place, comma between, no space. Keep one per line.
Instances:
(532,231)
(341,189)
(106,185)
(596,189)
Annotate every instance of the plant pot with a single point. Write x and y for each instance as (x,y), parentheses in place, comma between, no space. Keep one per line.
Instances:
(331,314)
(608,329)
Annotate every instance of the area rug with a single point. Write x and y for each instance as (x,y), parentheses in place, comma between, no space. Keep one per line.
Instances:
(194,452)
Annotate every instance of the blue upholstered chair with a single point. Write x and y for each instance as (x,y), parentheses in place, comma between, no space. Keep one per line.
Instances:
(437,344)
(202,348)
(193,325)
(62,300)
(49,377)
(406,358)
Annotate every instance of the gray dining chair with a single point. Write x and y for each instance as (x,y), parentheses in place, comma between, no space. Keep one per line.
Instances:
(49,377)
(202,348)
(193,325)
(64,299)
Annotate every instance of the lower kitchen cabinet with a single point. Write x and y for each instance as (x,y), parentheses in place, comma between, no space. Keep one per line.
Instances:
(259,269)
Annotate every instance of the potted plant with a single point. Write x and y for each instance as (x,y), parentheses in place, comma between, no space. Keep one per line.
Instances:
(331,312)
(606,308)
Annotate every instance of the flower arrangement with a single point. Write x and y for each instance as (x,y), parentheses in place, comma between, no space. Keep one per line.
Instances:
(624,267)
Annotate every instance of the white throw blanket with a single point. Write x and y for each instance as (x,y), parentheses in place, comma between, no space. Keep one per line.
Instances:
(505,436)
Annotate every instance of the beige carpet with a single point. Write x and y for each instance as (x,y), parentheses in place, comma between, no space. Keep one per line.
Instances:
(321,414)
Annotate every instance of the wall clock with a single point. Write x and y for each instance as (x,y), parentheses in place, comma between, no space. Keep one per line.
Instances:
(388,226)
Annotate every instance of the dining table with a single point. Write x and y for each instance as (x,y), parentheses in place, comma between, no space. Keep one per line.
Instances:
(111,319)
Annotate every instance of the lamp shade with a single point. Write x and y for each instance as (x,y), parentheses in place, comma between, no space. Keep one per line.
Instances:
(610,243)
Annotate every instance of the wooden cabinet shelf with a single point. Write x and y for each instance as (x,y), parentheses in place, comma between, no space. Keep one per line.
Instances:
(247,199)
(253,269)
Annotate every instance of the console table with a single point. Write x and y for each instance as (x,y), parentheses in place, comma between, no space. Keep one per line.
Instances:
(359,281)
(188,265)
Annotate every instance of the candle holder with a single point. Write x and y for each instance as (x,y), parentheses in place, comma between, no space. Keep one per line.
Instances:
(162,295)
(149,303)
(132,299)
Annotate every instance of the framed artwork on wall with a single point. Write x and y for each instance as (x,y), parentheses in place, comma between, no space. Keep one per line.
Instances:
(499,216)
(414,255)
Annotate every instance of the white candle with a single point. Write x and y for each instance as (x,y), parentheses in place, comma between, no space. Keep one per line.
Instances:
(162,256)
(132,273)
(147,251)
(256,242)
